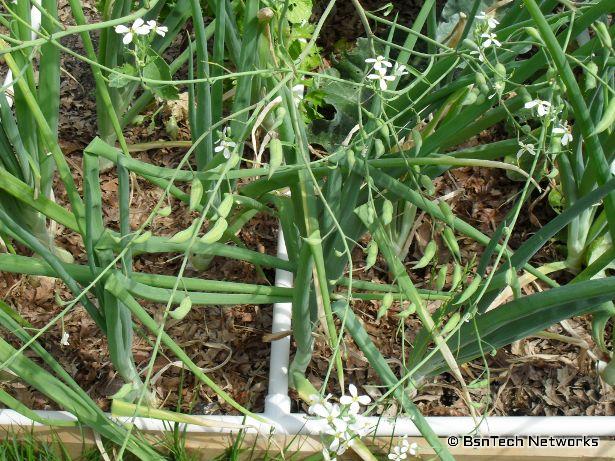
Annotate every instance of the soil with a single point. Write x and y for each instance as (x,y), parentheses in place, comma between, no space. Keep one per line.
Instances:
(534,376)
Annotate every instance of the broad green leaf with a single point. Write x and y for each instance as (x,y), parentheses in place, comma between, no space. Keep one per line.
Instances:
(158,69)
(120,81)
(299,11)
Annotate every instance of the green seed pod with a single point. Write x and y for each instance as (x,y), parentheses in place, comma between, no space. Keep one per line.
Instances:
(533,32)
(171,127)
(182,310)
(184,235)
(589,73)
(387,301)
(407,312)
(351,159)
(441,278)
(457,271)
(372,254)
(384,128)
(196,193)
(451,242)
(480,99)
(370,214)
(470,44)
(602,31)
(368,113)
(471,97)
(470,290)
(387,212)
(452,323)
(449,216)
(417,139)
(144,237)
(225,206)
(164,211)
(378,147)
(428,254)
(280,114)
(481,82)
(500,70)
(216,232)
(276,155)
(427,183)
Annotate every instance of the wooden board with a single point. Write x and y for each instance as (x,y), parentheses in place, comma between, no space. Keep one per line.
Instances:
(209,446)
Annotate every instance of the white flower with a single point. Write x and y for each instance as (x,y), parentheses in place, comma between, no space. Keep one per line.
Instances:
(317,400)
(529,148)
(138,28)
(491,39)
(401,451)
(399,70)
(354,399)
(492,23)
(564,132)
(341,437)
(225,145)
(379,62)
(398,453)
(64,340)
(325,409)
(382,78)
(542,107)
(160,30)
(361,427)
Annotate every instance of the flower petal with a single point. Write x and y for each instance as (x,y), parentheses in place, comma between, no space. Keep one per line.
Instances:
(353,390)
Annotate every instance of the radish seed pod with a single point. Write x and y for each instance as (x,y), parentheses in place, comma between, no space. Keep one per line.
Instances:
(216,232)
(196,193)
(182,310)
(428,254)
(387,212)
(276,155)
(372,254)
(184,235)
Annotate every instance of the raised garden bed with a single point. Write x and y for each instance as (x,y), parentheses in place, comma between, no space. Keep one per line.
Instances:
(443,185)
